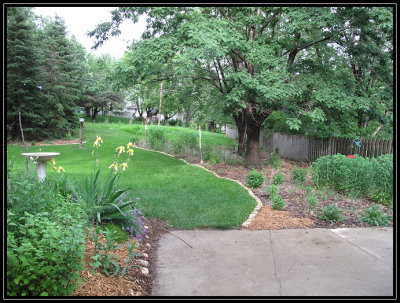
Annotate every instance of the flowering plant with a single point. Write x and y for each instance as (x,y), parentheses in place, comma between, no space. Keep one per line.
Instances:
(53,166)
(101,197)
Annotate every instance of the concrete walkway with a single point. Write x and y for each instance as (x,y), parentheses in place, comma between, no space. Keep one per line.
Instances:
(297,262)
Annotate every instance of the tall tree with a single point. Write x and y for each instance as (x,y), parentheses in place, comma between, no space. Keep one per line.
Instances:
(99,93)
(23,82)
(61,77)
(250,54)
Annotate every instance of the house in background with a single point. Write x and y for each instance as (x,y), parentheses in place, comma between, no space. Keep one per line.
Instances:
(131,111)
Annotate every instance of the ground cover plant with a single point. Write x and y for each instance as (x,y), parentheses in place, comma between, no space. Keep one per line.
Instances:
(45,233)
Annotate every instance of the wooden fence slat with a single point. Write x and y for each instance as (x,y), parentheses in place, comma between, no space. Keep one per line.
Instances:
(381,147)
(378,147)
(387,147)
(366,147)
(374,148)
(318,147)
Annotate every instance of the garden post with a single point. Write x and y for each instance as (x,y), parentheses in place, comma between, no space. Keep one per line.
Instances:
(81,120)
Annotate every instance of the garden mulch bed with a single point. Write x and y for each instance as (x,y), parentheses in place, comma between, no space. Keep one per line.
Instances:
(45,143)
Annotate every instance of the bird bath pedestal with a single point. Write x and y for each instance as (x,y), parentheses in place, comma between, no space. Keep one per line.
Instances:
(42,159)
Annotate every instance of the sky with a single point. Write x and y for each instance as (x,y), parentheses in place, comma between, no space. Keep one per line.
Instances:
(80,20)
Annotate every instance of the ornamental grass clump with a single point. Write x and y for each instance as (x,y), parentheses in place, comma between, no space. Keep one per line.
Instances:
(254,179)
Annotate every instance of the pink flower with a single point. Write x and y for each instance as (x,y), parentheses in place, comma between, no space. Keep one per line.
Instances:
(351,157)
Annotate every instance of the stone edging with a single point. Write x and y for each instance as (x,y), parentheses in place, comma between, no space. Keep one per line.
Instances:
(259,203)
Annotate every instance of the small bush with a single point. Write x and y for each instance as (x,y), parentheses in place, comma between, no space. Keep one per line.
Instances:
(375,216)
(332,214)
(383,179)
(298,175)
(312,202)
(157,139)
(254,179)
(277,202)
(278,179)
(272,190)
(44,251)
(274,160)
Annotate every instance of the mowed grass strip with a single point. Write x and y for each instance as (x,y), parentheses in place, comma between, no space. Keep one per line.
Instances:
(185,196)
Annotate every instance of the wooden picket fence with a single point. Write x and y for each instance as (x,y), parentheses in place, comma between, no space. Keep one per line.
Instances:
(369,147)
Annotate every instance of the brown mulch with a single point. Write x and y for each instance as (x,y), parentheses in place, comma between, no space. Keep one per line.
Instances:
(45,143)
(134,282)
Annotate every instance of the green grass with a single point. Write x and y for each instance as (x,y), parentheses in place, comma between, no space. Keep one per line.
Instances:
(183,195)
(172,133)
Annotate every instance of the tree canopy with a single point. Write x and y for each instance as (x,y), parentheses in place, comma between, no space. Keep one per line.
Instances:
(317,62)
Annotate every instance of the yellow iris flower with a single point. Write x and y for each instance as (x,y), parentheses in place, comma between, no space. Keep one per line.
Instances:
(121,149)
(114,166)
(124,166)
(97,141)
(60,168)
(130,152)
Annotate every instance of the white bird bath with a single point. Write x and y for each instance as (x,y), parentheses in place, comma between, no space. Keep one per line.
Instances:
(42,159)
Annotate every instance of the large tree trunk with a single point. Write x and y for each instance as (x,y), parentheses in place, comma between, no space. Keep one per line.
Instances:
(253,146)
(253,121)
(87,111)
(212,126)
(95,114)
(241,127)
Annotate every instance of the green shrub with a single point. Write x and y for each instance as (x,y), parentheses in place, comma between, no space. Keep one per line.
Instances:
(157,139)
(382,167)
(299,175)
(277,202)
(45,251)
(272,190)
(367,177)
(26,194)
(254,179)
(312,202)
(277,179)
(274,160)
(207,152)
(375,216)
(332,214)
(177,147)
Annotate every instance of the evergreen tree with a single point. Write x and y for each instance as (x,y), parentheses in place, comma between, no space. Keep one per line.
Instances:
(23,92)
(60,80)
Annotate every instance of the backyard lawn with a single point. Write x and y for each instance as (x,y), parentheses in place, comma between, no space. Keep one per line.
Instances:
(182,195)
